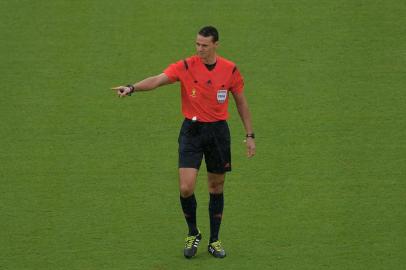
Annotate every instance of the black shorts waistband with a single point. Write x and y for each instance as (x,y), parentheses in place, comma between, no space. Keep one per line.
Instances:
(205,123)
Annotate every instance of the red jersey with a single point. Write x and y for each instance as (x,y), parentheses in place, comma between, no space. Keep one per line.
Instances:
(205,93)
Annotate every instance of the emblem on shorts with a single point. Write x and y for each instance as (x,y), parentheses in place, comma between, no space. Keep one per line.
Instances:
(221,95)
(193,93)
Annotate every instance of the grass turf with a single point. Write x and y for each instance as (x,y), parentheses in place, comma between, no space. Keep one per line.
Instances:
(89,181)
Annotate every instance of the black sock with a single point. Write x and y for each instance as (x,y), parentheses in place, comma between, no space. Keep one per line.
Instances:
(189,210)
(216,206)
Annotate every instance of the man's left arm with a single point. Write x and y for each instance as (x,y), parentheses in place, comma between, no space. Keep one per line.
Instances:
(245,115)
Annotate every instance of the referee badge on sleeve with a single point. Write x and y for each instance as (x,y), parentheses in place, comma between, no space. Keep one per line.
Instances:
(221,95)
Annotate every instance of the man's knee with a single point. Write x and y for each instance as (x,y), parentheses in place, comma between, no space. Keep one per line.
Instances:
(216,182)
(187,181)
(216,188)
(186,190)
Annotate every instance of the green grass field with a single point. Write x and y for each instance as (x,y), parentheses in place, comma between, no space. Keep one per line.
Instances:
(89,181)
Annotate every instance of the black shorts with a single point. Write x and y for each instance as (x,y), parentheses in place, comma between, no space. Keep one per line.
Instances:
(209,139)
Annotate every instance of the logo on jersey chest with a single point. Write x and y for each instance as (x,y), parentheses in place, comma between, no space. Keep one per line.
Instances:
(221,95)
(193,94)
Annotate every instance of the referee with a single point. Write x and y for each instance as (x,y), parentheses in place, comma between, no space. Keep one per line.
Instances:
(206,80)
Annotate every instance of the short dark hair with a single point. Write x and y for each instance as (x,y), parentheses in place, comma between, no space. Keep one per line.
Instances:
(210,31)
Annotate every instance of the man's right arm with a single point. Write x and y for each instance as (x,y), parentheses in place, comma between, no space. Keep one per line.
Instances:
(152,82)
(144,85)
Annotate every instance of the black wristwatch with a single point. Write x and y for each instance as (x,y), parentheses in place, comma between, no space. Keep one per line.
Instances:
(132,89)
(250,135)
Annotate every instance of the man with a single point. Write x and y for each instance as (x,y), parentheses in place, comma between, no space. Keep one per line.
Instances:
(206,79)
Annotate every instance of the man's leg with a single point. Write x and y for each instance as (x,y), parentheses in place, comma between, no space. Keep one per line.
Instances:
(216,205)
(187,184)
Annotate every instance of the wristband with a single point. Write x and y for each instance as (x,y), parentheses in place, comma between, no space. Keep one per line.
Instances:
(251,135)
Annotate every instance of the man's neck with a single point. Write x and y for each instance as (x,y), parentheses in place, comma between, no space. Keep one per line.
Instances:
(210,60)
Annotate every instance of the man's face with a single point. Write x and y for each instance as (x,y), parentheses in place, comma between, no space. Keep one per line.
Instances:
(205,47)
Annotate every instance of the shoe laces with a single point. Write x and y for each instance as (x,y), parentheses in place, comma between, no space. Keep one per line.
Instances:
(189,241)
(217,245)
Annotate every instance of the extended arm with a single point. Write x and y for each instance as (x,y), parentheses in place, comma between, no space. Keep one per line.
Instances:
(147,84)
(245,115)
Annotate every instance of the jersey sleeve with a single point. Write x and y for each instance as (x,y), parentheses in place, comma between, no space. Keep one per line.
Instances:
(173,71)
(237,84)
